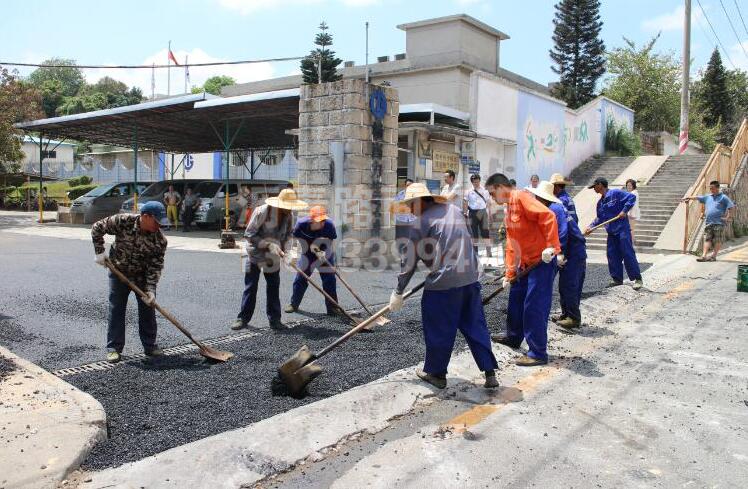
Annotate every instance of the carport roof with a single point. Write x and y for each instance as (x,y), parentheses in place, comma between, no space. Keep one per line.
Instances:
(185,124)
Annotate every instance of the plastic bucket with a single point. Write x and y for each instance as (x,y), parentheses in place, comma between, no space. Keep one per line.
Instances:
(742,278)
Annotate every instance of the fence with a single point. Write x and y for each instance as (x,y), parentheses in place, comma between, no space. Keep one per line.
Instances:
(722,166)
(104,168)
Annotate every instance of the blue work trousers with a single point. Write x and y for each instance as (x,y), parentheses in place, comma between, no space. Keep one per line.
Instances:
(308,264)
(621,253)
(571,282)
(118,295)
(443,312)
(249,297)
(529,307)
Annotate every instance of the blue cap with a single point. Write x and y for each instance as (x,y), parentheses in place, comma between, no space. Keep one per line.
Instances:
(154,208)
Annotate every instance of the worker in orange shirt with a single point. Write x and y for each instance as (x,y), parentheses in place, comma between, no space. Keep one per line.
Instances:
(531,239)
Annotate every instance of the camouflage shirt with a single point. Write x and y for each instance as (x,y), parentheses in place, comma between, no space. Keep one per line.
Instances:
(139,255)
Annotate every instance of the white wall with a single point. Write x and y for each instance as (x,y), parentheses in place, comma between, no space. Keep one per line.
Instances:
(495,110)
(582,135)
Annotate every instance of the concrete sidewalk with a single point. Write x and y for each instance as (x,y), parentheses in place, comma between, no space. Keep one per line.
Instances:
(47,426)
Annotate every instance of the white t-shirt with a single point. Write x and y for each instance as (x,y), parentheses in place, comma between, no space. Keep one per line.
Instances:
(477,199)
(457,190)
(635,212)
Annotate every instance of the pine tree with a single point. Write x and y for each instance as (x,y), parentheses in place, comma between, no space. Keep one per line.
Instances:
(310,64)
(578,52)
(713,92)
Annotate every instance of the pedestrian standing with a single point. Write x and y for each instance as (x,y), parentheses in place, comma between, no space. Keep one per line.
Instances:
(316,233)
(171,201)
(451,298)
(718,211)
(635,214)
(247,200)
(476,206)
(534,180)
(190,205)
(532,240)
(452,190)
(572,262)
(620,249)
(267,235)
(138,252)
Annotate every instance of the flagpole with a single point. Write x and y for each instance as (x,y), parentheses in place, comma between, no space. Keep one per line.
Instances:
(186,73)
(168,70)
(153,82)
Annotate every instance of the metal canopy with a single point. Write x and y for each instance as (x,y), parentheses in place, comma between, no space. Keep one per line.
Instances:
(185,124)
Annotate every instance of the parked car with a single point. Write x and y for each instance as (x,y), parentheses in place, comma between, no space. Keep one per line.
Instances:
(212,210)
(102,201)
(156,191)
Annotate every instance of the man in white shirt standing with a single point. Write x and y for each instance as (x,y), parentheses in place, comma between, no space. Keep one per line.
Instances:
(451,189)
(476,203)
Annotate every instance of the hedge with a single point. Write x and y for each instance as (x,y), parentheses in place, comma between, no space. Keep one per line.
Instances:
(79,190)
(78,181)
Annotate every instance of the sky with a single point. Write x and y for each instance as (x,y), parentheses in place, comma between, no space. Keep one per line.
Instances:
(138,32)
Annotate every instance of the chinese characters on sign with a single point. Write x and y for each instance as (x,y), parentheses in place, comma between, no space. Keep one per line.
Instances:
(444,161)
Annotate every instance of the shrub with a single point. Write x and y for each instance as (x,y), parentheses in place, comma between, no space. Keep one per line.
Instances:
(620,139)
(79,190)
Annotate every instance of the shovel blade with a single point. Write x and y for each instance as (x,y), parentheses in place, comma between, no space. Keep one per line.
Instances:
(297,381)
(295,362)
(213,354)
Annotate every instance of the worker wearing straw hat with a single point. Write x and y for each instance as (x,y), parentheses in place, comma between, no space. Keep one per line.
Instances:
(559,190)
(531,241)
(315,233)
(572,262)
(267,235)
(452,294)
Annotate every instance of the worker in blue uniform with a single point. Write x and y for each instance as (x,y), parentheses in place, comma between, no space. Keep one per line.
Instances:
(559,190)
(451,298)
(316,233)
(617,203)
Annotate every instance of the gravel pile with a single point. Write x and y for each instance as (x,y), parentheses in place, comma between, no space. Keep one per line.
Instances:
(156,405)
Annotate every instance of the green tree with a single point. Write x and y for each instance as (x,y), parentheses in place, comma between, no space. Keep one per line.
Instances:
(712,91)
(310,64)
(214,84)
(737,88)
(578,52)
(61,79)
(646,81)
(107,93)
(19,101)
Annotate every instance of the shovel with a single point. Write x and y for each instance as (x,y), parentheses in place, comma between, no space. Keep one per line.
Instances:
(205,350)
(302,367)
(519,276)
(381,320)
(601,225)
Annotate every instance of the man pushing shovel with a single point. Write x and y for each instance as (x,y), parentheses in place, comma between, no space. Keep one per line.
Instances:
(452,294)
(138,252)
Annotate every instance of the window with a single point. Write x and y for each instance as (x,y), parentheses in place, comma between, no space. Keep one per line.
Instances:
(49,154)
(233,190)
(123,189)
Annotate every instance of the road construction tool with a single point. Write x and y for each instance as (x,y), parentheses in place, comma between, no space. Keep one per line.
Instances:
(205,350)
(522,274)
(299,370)
(602,224)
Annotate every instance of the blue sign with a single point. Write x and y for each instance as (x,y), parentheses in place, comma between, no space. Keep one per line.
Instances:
(434,186)
(378,104)
(188,162)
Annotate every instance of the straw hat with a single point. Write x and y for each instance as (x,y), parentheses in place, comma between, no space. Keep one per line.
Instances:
(557,178)
(418,190)
(287,199)
(318,213)
(544,190)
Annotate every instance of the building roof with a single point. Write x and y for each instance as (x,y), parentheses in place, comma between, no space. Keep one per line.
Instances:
(451,18)
(194,123)
(52,142)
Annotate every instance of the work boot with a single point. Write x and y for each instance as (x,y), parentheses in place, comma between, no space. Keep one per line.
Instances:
(238,324)
(557,317)
(277,325)
(527,361)
(113,357)
(290,308)
(638,284)
(440,382)
(614,283)
(504,340)
(154,352)
(569,323)
(491,381)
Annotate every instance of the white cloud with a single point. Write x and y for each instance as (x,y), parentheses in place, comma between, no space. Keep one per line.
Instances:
(246,7)
(738,56)
(672,21)
(141,78)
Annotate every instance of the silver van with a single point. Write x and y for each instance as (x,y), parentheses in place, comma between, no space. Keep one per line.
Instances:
(102,201)
(212,208)
(156,191)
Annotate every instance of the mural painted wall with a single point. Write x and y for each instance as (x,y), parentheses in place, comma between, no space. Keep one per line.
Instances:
(541,137)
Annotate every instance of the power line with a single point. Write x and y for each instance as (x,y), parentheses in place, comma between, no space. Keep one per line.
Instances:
(740,43)
(741,16)
(727,55)
(151,66)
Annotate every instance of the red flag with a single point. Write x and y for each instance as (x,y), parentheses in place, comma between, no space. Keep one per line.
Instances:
(173,58)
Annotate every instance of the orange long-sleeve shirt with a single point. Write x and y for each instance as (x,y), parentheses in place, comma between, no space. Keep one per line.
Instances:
(530,228)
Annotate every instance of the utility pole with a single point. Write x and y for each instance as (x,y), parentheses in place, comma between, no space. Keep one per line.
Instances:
(683,137)
(168,70)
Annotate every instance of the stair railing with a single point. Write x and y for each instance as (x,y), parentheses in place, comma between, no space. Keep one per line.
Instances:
(722,166)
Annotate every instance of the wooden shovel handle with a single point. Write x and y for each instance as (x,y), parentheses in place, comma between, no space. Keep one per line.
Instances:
(143,296)
(603,224)
(519,276)
(347,286)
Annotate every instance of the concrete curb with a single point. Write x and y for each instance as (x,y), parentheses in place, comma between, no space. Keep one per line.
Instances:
(47,426)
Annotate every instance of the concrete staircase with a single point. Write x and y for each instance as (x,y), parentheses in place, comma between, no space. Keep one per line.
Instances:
(608,167)
(659,199)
